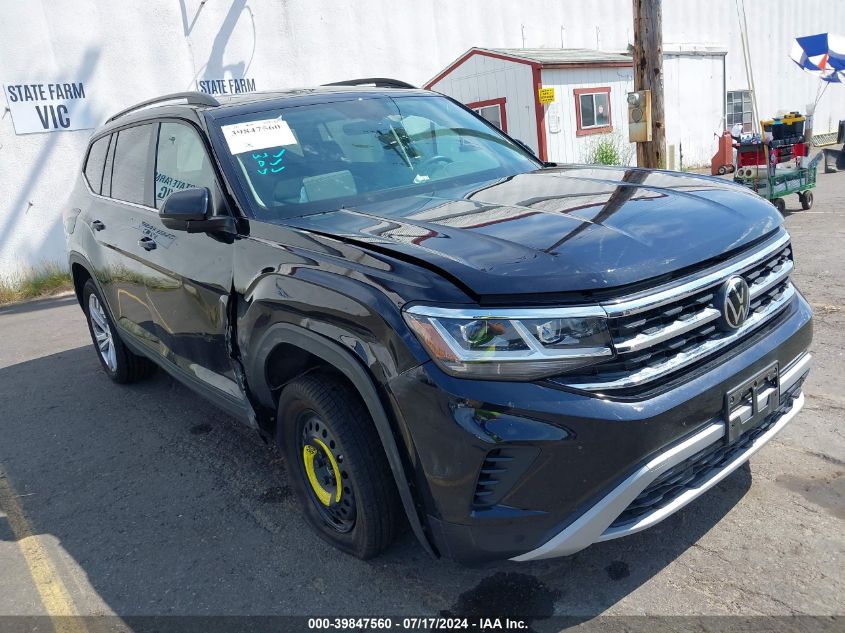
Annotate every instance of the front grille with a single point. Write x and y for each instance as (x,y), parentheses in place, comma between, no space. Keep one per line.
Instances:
(694,471)
(653,343)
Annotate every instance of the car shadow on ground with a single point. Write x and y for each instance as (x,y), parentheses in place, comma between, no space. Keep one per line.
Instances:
(47,303)
(170,507)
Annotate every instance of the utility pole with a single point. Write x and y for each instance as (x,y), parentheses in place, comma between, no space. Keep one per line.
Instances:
(648,75)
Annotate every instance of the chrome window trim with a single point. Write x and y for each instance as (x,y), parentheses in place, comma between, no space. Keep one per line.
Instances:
(142,207)
(624,307)
(594,525)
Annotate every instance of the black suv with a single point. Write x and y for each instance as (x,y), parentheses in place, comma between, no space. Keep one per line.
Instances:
(518,357)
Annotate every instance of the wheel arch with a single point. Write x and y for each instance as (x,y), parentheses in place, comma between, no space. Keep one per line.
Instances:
(81,271)
(351,369)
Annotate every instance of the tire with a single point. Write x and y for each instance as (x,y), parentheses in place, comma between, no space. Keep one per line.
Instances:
(347,492)
(120,364)
(722,170)
(806,198)
(780,204)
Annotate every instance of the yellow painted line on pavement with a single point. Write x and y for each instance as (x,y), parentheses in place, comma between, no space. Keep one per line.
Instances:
(54,595)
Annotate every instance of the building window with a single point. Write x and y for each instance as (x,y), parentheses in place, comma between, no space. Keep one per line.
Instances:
(592,111)
(739,109)
(492,110)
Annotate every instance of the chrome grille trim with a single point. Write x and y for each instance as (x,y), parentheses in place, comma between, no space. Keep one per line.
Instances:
(681,326)
(683,359)
(770,281)
(642,341)
(626,307)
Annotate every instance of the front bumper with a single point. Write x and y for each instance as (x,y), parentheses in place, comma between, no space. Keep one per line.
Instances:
(598,523)
(576,461)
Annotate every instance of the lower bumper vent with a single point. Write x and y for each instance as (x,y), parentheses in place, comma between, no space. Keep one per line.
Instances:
(499,473)
(489,477)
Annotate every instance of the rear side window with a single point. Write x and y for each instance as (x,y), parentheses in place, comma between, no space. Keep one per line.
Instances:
(96,161)
(130,178)
(181,162)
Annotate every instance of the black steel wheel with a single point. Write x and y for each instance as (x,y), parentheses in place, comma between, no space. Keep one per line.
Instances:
(336,464)
(780,204)
(326,472)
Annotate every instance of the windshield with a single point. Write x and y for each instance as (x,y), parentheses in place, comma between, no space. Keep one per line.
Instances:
(305,159)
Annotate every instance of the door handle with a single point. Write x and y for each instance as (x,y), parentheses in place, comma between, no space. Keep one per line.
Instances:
(147,243)
(97,225)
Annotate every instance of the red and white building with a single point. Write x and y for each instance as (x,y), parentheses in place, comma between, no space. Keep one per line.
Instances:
(589,101)
(502,84)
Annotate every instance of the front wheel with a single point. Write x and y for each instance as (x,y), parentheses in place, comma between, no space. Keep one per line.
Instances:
(806,198)
(337,465)
(120,364)
(780,204)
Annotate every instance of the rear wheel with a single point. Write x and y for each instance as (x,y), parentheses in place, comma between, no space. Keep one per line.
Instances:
(806,198)
(121,365)
(337,465)
(780,204)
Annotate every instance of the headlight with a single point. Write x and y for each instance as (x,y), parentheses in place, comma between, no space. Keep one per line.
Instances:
(511,344)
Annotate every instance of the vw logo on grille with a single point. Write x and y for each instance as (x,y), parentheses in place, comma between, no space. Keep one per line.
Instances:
(733,300)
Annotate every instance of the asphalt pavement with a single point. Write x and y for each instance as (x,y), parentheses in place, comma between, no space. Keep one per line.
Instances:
(146,500)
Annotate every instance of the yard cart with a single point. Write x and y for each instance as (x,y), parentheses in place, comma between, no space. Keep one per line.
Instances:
(774,184)
(762,162)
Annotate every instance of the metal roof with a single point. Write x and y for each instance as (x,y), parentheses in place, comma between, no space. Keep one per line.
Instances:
(561,56)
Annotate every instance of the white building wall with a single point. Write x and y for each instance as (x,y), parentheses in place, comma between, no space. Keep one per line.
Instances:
(565,146)
(482,77)
(694,107)
(127,52)
(772,26)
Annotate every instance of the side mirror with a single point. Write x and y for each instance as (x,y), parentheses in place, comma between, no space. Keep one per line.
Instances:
(191,210)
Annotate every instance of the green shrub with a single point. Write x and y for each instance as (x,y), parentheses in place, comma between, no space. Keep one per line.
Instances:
(44,280)
(608,149)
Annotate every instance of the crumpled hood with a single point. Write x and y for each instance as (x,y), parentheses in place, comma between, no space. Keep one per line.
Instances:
(562,229)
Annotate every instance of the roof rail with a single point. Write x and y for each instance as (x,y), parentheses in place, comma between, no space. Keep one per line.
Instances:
(193,98)
(378,82)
